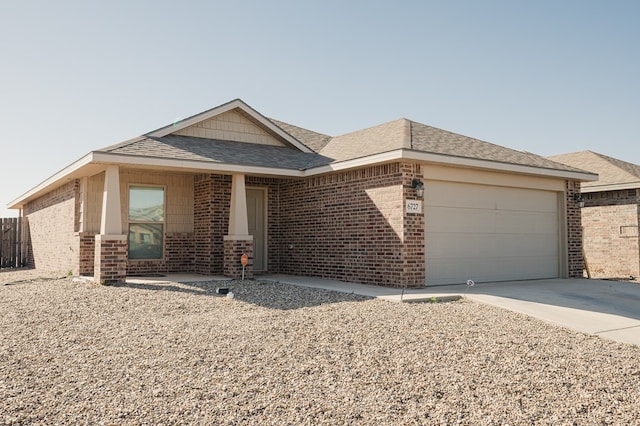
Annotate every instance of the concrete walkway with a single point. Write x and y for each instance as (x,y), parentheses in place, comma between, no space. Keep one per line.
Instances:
(605,308)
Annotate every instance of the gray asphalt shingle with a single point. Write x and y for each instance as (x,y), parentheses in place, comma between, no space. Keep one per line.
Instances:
(217,151)
(394,135)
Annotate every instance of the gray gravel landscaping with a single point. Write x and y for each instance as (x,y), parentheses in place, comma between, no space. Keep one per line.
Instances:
(169,353)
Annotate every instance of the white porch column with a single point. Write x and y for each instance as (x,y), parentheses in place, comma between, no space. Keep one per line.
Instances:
(111,223)
(238,221)
(110,256)
(238,242)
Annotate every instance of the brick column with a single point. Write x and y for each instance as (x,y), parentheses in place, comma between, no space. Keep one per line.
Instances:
(575,262)
(110,266)
(233,250)
(86,253)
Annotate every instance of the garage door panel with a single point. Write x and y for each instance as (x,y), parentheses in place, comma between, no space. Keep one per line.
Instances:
(479,245)
(481,270)
(489,233)
(456,195)
(446,219)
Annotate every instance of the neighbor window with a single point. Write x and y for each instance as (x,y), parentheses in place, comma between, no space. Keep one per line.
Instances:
(146,222)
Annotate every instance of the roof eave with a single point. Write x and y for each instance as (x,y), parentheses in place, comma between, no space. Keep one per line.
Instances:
(53,181)
(426,157)
(500,166)
(192,165)
(610,187)
(95,162)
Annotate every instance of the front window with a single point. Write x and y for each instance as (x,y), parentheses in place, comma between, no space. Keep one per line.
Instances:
(146,222)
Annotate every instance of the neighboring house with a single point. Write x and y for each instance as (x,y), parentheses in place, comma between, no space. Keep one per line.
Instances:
(195,195)
(611,214)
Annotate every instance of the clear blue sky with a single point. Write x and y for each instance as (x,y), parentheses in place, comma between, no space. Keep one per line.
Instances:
(547,77)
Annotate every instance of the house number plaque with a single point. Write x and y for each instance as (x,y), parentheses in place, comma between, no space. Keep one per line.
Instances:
(414,206)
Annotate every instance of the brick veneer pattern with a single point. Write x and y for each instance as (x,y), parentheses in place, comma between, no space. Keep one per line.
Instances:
(212,197)
(110,260)
(52,244)
(574,232)
(86,253)
(179,256)
(351,226)
(233,251)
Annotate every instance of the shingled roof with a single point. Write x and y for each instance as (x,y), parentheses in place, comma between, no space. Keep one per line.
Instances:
(407,134)
(218,151)
(611,171)
(323,149)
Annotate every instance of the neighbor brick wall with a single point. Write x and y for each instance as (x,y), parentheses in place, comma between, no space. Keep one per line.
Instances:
(575,261)
(52,221)
(351,226)
(610,225)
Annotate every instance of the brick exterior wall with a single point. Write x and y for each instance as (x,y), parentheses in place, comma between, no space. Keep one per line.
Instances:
(179,256)
(212,198)
(575,261)
(110,259)
(86,243)
(413,256)
(610,222)
(351,226)
(53,246)
(233,251)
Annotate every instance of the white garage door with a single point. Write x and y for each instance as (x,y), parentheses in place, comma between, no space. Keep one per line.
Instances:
(489,233)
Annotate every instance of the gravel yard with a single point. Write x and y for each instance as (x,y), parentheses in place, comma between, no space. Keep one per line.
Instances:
(77,352)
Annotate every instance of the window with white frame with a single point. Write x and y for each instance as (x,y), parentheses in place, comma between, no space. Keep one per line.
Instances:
(146,222)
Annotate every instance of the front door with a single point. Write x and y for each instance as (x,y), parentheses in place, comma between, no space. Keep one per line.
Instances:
(256,217)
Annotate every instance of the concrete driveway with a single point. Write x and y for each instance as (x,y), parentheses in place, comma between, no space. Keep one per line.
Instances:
(609,309)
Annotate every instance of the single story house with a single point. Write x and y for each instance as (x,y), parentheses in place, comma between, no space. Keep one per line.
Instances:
(399,204)
(611,214)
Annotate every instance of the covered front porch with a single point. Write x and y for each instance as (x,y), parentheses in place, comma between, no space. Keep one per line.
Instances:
(155,226)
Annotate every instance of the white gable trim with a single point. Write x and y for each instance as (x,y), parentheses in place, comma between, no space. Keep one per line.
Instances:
(237,103)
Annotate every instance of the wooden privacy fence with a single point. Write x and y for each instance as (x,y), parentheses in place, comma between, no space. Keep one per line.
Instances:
(12,242)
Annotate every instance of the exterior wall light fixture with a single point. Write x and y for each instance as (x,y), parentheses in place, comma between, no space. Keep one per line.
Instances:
(577,198)
(418,186)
